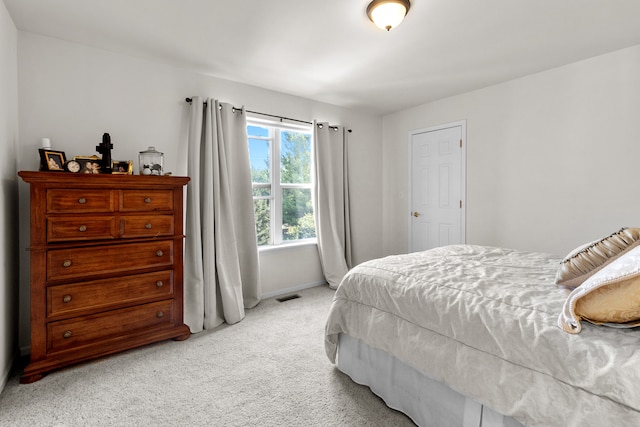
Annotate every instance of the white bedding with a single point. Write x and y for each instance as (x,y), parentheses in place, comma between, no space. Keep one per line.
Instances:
(429,403)
(483,321)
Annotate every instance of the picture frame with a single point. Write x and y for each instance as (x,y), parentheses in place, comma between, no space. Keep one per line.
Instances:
(52,160)
(88,164)
(122,167)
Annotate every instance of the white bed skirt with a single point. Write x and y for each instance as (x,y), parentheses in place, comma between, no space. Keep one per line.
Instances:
(426,401)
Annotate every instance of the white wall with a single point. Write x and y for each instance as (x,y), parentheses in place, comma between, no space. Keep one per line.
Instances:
(73,93)
(551,157)
(8,193)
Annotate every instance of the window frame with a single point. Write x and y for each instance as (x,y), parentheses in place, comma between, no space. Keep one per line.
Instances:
(276,185)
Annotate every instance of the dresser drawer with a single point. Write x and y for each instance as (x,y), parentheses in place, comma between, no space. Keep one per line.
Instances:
(79,201)
(78,263)
(63,229)
(147,226)
(89,329)
(99,295)
(146,200)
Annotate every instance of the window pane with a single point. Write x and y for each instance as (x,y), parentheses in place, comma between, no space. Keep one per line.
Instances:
(257,131)
(297,214)
(263,221)
(259,158)
(295,157)
(261,191)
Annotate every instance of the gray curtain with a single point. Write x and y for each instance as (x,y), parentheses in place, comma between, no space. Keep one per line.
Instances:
(331,201)
(221,269)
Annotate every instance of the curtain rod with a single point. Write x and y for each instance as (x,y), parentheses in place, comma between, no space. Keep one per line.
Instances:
(271,115)
(265,114)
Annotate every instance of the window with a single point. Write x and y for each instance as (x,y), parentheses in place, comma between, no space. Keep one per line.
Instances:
(281,189)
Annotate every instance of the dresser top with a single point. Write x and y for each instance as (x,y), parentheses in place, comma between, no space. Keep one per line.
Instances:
(102,180)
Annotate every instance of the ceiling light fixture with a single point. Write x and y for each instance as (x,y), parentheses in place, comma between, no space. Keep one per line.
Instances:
(387,14)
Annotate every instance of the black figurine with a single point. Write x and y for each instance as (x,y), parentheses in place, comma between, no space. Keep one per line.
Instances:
(105,149)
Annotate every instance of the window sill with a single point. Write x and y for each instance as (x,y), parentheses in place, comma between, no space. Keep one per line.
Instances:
(287,246)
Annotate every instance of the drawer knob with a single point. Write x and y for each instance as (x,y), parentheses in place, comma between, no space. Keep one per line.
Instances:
(67,334)
(66,298)
(159,252)
(82,200)
(160,315)
(159,283)
(147,199)
(66,263)
(82,228)
(148,226)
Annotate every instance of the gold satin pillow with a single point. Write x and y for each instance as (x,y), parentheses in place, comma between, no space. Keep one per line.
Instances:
(618,302)
(584,261)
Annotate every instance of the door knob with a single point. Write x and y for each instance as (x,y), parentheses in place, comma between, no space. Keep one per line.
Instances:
(416,214)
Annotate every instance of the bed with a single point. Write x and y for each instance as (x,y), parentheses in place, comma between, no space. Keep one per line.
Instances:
(469,335)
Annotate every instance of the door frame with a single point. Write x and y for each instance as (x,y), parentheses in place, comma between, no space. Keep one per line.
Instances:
(463,175)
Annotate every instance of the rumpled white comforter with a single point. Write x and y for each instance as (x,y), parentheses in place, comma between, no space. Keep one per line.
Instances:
(484,321)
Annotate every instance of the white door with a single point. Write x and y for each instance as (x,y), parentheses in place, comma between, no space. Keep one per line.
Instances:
(437,187)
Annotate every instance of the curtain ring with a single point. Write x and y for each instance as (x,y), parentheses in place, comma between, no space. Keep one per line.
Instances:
(320,125)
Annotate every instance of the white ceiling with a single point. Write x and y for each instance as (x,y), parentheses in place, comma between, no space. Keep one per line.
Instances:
(328,50)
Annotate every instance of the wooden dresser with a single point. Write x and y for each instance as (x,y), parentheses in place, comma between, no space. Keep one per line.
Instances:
(106,265)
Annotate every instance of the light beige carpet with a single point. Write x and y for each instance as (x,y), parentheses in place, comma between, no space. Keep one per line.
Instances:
(268,370)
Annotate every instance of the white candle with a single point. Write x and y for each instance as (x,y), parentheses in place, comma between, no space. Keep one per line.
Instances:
(46,143)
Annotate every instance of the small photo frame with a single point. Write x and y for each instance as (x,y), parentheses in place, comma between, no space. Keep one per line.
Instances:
(52,160)
(122,167)
(90,164)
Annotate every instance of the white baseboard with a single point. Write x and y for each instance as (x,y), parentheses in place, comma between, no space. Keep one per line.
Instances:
(7,371)
(280,292)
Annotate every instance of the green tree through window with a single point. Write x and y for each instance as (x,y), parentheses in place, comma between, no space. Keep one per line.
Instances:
(281,191)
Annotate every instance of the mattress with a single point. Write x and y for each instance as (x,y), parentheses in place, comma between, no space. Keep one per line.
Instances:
(483,321)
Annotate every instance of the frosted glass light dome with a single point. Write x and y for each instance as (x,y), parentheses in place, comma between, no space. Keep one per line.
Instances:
(387,14)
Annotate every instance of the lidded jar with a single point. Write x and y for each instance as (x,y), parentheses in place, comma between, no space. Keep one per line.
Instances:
(150,162)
